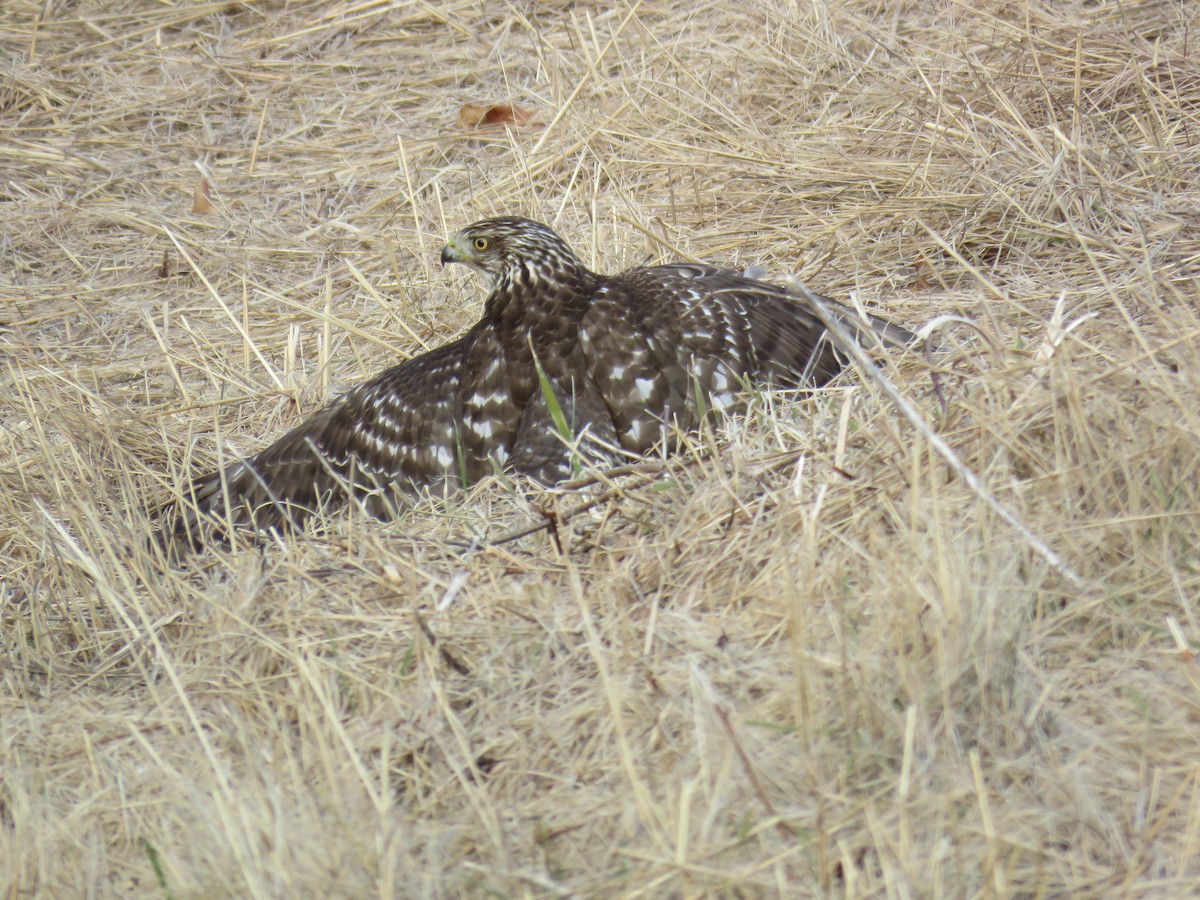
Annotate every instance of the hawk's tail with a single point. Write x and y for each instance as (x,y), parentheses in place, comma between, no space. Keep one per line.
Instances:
(865,327)
(794,346)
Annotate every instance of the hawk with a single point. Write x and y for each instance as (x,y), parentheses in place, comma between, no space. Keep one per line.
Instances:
(564,364)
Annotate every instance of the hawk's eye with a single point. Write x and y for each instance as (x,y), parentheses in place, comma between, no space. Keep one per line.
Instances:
(480,244)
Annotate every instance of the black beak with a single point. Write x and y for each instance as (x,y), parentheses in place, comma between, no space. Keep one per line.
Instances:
(446,255)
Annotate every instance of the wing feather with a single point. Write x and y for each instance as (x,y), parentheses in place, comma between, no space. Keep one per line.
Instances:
(626,358)
(766,331)
(656,334)
(398,429)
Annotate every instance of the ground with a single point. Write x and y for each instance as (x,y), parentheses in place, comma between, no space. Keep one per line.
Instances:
(803,656)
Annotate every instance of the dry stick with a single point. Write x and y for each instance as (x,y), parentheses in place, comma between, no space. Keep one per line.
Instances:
(592,69)
(783,827)
(552,518)
(447,657)
(848,344)
(710,694)
(215,294)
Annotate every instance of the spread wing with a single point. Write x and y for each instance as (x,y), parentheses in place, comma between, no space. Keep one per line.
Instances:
(561,356)
(762,330)
(664,342)
(398,430)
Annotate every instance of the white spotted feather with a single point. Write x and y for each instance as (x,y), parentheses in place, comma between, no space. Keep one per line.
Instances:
(627,357)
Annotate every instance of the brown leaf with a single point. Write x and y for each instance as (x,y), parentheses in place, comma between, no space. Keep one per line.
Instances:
(478,115)
(202,197)
(922,279)
(470,115)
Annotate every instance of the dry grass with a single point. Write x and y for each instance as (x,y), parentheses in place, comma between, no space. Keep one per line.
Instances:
(803,659)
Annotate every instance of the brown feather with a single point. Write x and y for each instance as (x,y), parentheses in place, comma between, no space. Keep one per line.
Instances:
(625,358)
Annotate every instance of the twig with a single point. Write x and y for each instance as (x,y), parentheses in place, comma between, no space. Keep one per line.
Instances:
(449,658)
(552,518)
(850,346)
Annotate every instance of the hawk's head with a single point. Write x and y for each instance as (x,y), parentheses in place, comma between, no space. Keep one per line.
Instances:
(512,249)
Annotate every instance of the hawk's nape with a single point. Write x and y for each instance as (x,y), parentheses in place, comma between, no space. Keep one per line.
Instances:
(619,360)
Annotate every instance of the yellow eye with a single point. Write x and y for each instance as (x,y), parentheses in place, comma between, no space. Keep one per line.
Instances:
(480,244)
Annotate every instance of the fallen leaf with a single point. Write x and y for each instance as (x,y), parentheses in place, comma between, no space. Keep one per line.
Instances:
(202,197)
(922,279)
(479,115)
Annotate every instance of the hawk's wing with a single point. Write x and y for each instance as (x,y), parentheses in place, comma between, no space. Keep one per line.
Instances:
(657,336)
(771,332)
(398,429)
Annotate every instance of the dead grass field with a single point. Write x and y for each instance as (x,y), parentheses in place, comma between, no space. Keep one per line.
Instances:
(802,659)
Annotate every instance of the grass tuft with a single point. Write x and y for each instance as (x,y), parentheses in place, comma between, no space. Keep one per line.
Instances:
(800,656)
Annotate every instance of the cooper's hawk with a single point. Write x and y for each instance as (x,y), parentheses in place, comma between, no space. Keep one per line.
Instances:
(564,364)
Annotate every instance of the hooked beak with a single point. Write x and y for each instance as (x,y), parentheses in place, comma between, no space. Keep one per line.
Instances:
(453,251)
